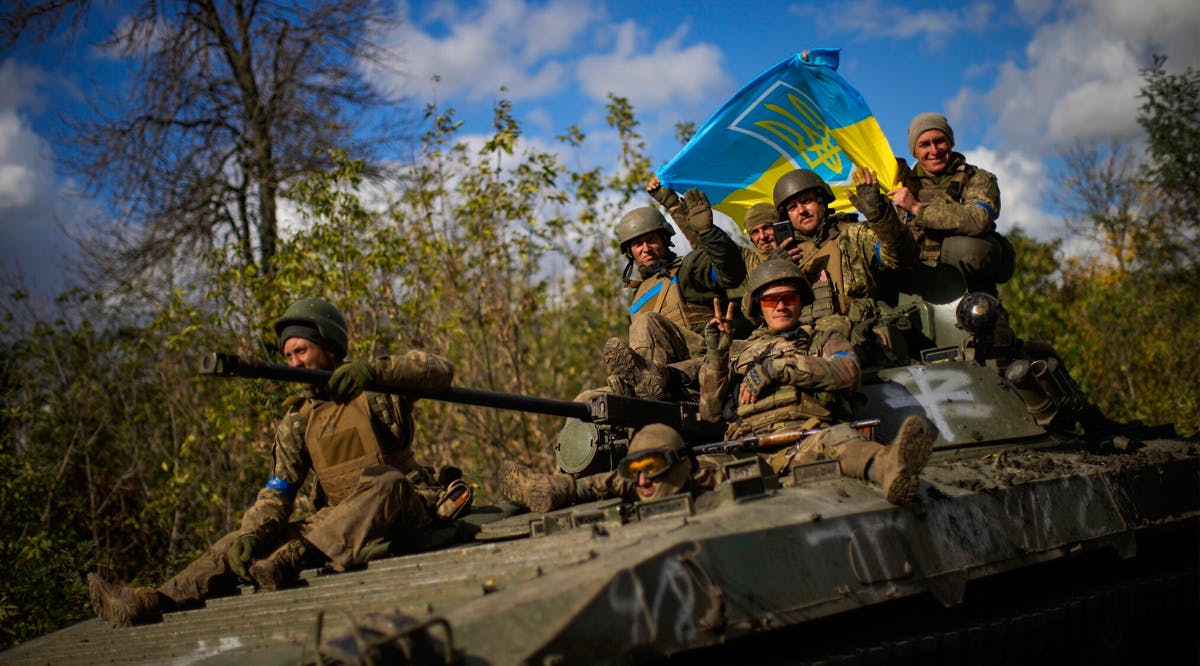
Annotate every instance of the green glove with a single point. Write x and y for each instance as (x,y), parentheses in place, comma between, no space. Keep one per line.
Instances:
(700,216)
(241,554)
(717,342)
(868,200)
(349,380)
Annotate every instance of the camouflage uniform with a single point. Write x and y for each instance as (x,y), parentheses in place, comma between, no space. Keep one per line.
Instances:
(672,302)
(362,455)
(852,254)
(963,200)
(605,485)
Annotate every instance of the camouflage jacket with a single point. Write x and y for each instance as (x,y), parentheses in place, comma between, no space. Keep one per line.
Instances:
(815,369)
(683,291)
(963,200)
(391,422)
(852,255)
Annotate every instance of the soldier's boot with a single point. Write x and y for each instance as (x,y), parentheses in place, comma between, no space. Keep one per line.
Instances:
(539,491)
(631,375)
(284,565)
(898,466)
(122,605)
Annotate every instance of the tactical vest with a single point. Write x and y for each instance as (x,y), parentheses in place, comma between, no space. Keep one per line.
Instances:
(951,190)
(829,297)
(786,406)
(661,293)
(343,440)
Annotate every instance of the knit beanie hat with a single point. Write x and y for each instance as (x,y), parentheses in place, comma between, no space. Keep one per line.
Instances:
(922,124)
(759,214)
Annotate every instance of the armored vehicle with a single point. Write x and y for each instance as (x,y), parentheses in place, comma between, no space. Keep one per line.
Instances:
(1040,532)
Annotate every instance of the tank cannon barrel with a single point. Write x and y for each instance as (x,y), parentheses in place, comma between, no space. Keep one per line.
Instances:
(603,409)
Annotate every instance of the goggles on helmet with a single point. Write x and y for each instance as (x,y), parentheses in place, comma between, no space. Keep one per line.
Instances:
(653,463)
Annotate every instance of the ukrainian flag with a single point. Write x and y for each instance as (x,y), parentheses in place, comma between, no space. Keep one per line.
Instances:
(799,114)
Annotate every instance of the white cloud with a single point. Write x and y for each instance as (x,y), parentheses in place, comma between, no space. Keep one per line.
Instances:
(501,43)
(869,19)
(1082,72)
(670,74)
(33,207)
(1023,180)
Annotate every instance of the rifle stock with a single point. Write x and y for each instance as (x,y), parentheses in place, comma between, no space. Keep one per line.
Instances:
(604,409)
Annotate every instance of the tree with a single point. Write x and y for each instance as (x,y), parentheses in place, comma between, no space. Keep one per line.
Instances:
(230,103)
(1170,115)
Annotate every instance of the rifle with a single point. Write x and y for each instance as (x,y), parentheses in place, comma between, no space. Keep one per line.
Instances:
(604,409)
(774,440)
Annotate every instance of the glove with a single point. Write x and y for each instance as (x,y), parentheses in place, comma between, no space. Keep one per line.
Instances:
(760,377)
(717,342)
(349,380)
(700,216)
(241,554)
(868,199)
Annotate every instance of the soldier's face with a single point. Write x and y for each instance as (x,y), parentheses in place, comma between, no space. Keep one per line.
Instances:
(301,353)
(648,248)
(647,487)
(781,307)
(806,211)
(763,237)
(933,151)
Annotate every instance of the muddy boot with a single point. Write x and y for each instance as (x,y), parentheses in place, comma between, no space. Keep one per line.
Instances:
(122,605)
(898,466)
(282,566)
(630,374)
(540,492)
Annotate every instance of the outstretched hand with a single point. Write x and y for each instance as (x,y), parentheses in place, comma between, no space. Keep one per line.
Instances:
(700,215)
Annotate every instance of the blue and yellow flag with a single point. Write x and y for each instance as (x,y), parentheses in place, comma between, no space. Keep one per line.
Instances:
(799,114)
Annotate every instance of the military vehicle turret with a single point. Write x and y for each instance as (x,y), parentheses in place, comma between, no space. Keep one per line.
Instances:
(1040,532)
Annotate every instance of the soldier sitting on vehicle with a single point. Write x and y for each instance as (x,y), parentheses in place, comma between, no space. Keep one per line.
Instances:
(657,465)
(671,293)
(789,375)
(359,445)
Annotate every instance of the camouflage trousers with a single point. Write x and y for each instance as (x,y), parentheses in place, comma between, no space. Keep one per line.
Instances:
(656,338)
(384,506)
(840,442)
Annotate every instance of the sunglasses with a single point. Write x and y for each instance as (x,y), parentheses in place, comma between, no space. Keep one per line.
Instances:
(788,298)
(653,463)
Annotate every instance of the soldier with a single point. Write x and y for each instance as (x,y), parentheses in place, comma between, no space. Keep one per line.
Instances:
(359,445)
(657,466)
(951,208)
(791,375)
(671,293)
(943,196)
(841,256)
(760,226)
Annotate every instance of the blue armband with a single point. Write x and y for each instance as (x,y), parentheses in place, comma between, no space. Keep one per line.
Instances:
(990,211)
(843,354)
(281,486)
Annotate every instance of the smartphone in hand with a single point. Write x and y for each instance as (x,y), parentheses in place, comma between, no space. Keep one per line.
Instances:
(783,231)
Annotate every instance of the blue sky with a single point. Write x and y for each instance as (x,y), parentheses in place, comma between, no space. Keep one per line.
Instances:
(1019,81)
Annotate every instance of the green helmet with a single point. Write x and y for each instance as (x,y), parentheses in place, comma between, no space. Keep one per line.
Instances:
(771,272)
(640,221)
(307,314)
(794,182)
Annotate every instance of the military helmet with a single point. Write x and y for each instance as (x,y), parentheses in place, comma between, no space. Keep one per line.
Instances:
(979,259)
(770,272)
(794,182)
(640,221)
(657,451)
(310,313)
